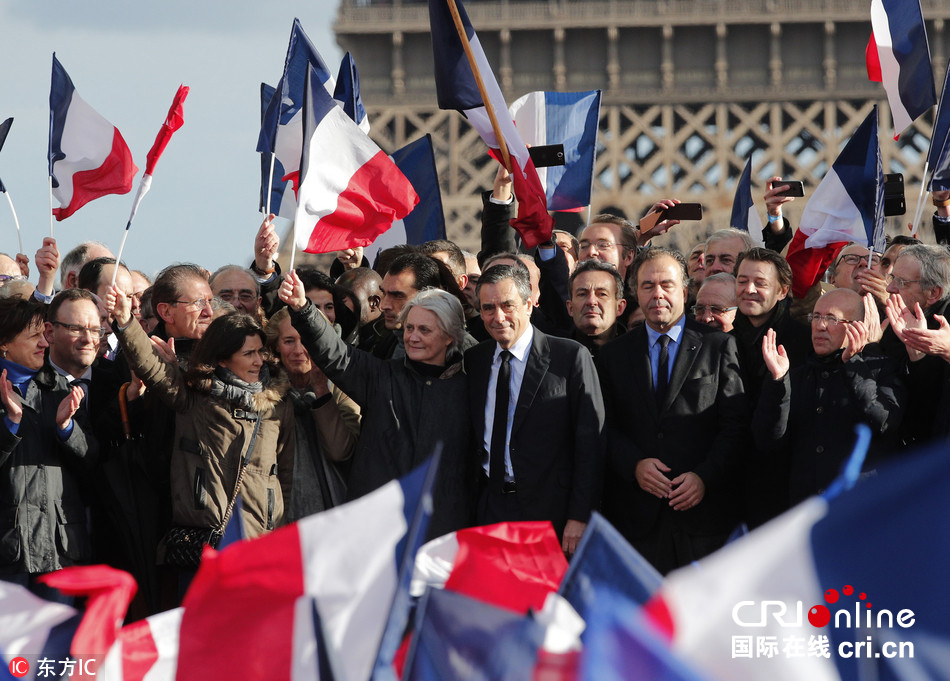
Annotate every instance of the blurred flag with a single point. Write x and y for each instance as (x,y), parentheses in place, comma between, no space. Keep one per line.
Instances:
(146,650)
(868,554)
(848,205)
(87,156)
(350,191)
(744,215)
(605,560)
(347,93)
(571,119)
(903,59)
(456,87)
(510,565)
(457,637)
(426,221)
(938,158)
(32,629)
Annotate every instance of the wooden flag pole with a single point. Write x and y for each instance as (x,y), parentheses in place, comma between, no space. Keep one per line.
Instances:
(463,36)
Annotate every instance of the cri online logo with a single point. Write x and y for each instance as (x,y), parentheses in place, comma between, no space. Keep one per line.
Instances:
(819,615)
(19,667)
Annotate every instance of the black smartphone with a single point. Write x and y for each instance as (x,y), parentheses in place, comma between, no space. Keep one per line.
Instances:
(683,211)
(894,203)
(795,188)
(547,155)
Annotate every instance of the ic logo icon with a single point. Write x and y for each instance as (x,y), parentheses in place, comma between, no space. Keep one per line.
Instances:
(19,667)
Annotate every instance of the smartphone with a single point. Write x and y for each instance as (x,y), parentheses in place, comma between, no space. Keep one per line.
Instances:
(548,155)
(683,211)
(795,188)
(894,203)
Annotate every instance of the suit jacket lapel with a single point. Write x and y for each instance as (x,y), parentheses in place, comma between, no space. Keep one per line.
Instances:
(690,342)
(539,358)
(478,373)
(642,369)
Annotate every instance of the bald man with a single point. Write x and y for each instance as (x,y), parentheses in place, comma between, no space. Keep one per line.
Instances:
(807,414)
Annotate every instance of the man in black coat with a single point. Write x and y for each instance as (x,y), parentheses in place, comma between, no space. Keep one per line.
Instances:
(676,414)
(538,434)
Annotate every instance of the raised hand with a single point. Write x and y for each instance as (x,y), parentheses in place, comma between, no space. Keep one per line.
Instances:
(857,335)
(118,305)
(930,341)
(68,407)
(902,318)
(660,226)
(266,245)
(872,319)
(165,349)
(776,360)
(292,291)
(774,203)
(501,188)
(47,262)
(11,401)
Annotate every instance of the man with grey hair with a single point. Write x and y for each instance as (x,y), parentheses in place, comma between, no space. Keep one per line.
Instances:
(238,285)
(723,248)
(74,260)
(716,302)
(595,303)
(537,414)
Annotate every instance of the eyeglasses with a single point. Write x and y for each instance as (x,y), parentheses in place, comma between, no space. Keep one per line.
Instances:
(855,259)
(900,282)
(77,330)
(4,278)
(600,244)
(701,310)
(244,297)
(199,304)
(828,319)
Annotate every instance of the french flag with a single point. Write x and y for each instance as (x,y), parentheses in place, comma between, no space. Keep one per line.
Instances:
(901,60)
(32,629)
(350,190)
(850,588)
(87,156)
(282,120)
(744,215)
(457,88)
(938,158)
(283,203)
(347,92)
(426,221)
(320,593)
(571,119)
(848,205)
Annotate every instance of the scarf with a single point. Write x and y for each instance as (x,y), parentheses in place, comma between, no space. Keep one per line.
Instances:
(227,386)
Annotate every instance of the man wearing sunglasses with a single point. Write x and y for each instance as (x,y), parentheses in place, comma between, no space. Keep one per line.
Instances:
(859,269)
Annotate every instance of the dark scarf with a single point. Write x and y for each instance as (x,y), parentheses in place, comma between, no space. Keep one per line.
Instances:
(227,386)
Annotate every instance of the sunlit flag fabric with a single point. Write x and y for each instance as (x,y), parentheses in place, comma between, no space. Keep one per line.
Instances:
(350,190)
(282,202)
(281,127)
(571,119)
(87,156)
(938,158)
(146,650)
(878,547)
(848,205)
(903,54)
(347,92)
(456,88)
(32,629)
(744,215)
(426,221)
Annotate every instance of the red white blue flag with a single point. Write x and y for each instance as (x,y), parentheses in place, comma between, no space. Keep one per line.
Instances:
(457,88)
(903,59)
(87,156)
(938,158)
(744,215)
(350,190)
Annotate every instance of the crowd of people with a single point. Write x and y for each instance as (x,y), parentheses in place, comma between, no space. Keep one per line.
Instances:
(681,395)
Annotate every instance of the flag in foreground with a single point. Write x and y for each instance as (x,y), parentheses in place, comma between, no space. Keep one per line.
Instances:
(457,88)
(32,629)
(350,190)
(903,54)
(571,119)
(848,205)
(744,215)
(938,157)
(850,588)
(87,156)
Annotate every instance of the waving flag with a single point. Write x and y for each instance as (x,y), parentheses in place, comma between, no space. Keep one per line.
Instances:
(87,156)
(146,650)
(870,554)
(605,560)
(938,158)
(426,221)
(281,126)
(744,216)
(903,54)
(350,190)
(571,119)
(282,200)
(457,88)
(347,93)
(848,205)
(32,629)
(4,131)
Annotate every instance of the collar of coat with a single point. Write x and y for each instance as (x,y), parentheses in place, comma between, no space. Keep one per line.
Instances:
(267,398)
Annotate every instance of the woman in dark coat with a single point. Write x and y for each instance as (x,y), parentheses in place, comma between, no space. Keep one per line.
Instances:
(409,405)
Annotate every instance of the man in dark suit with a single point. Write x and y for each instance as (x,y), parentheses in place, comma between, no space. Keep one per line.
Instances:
(537,413)
(676,415)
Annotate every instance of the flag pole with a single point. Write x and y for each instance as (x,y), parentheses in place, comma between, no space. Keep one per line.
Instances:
(19,236)
(270,182)
(463,36)
(50,206)
(293,244)
(918,210)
